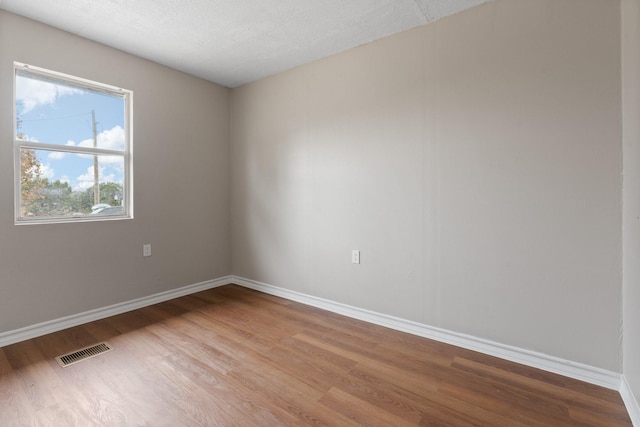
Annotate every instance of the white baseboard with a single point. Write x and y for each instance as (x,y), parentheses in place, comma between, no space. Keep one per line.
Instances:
(44,328)
(590,374)
(630,402)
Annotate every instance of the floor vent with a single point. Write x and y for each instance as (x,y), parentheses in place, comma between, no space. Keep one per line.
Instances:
(83,354)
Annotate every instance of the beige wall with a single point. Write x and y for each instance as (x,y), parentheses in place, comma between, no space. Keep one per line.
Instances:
(181,150)
(475,162)
(631,190)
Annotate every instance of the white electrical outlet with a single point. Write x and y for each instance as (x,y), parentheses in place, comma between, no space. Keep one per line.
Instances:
(355,256)
(146,249)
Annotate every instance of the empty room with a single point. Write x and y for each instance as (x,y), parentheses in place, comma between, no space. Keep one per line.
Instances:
(341,213)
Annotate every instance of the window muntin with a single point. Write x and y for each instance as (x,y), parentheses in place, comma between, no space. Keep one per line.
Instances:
(72,148)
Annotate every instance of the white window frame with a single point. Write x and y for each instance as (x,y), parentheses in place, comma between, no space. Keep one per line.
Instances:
(19,144)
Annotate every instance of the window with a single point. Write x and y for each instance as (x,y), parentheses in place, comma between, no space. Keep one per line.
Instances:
(72,145)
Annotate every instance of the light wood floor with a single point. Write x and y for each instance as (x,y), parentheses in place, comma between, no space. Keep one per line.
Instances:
(235,357)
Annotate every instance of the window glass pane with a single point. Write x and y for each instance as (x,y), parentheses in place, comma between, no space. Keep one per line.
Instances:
(55,111)
(54,184)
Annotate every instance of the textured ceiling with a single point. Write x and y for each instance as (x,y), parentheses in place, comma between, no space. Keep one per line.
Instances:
(232,42)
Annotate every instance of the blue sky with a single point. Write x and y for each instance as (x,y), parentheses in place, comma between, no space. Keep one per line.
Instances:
(60,114)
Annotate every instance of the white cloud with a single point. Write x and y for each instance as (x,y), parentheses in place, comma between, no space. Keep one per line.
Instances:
(23,137)
(111,139)
(34,93)
(47,171)
(56,155)
(86,180)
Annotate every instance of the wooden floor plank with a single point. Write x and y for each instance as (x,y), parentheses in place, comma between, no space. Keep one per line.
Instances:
(231,356)
(13,401)
(362,412)
(426,397)
(570,397)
